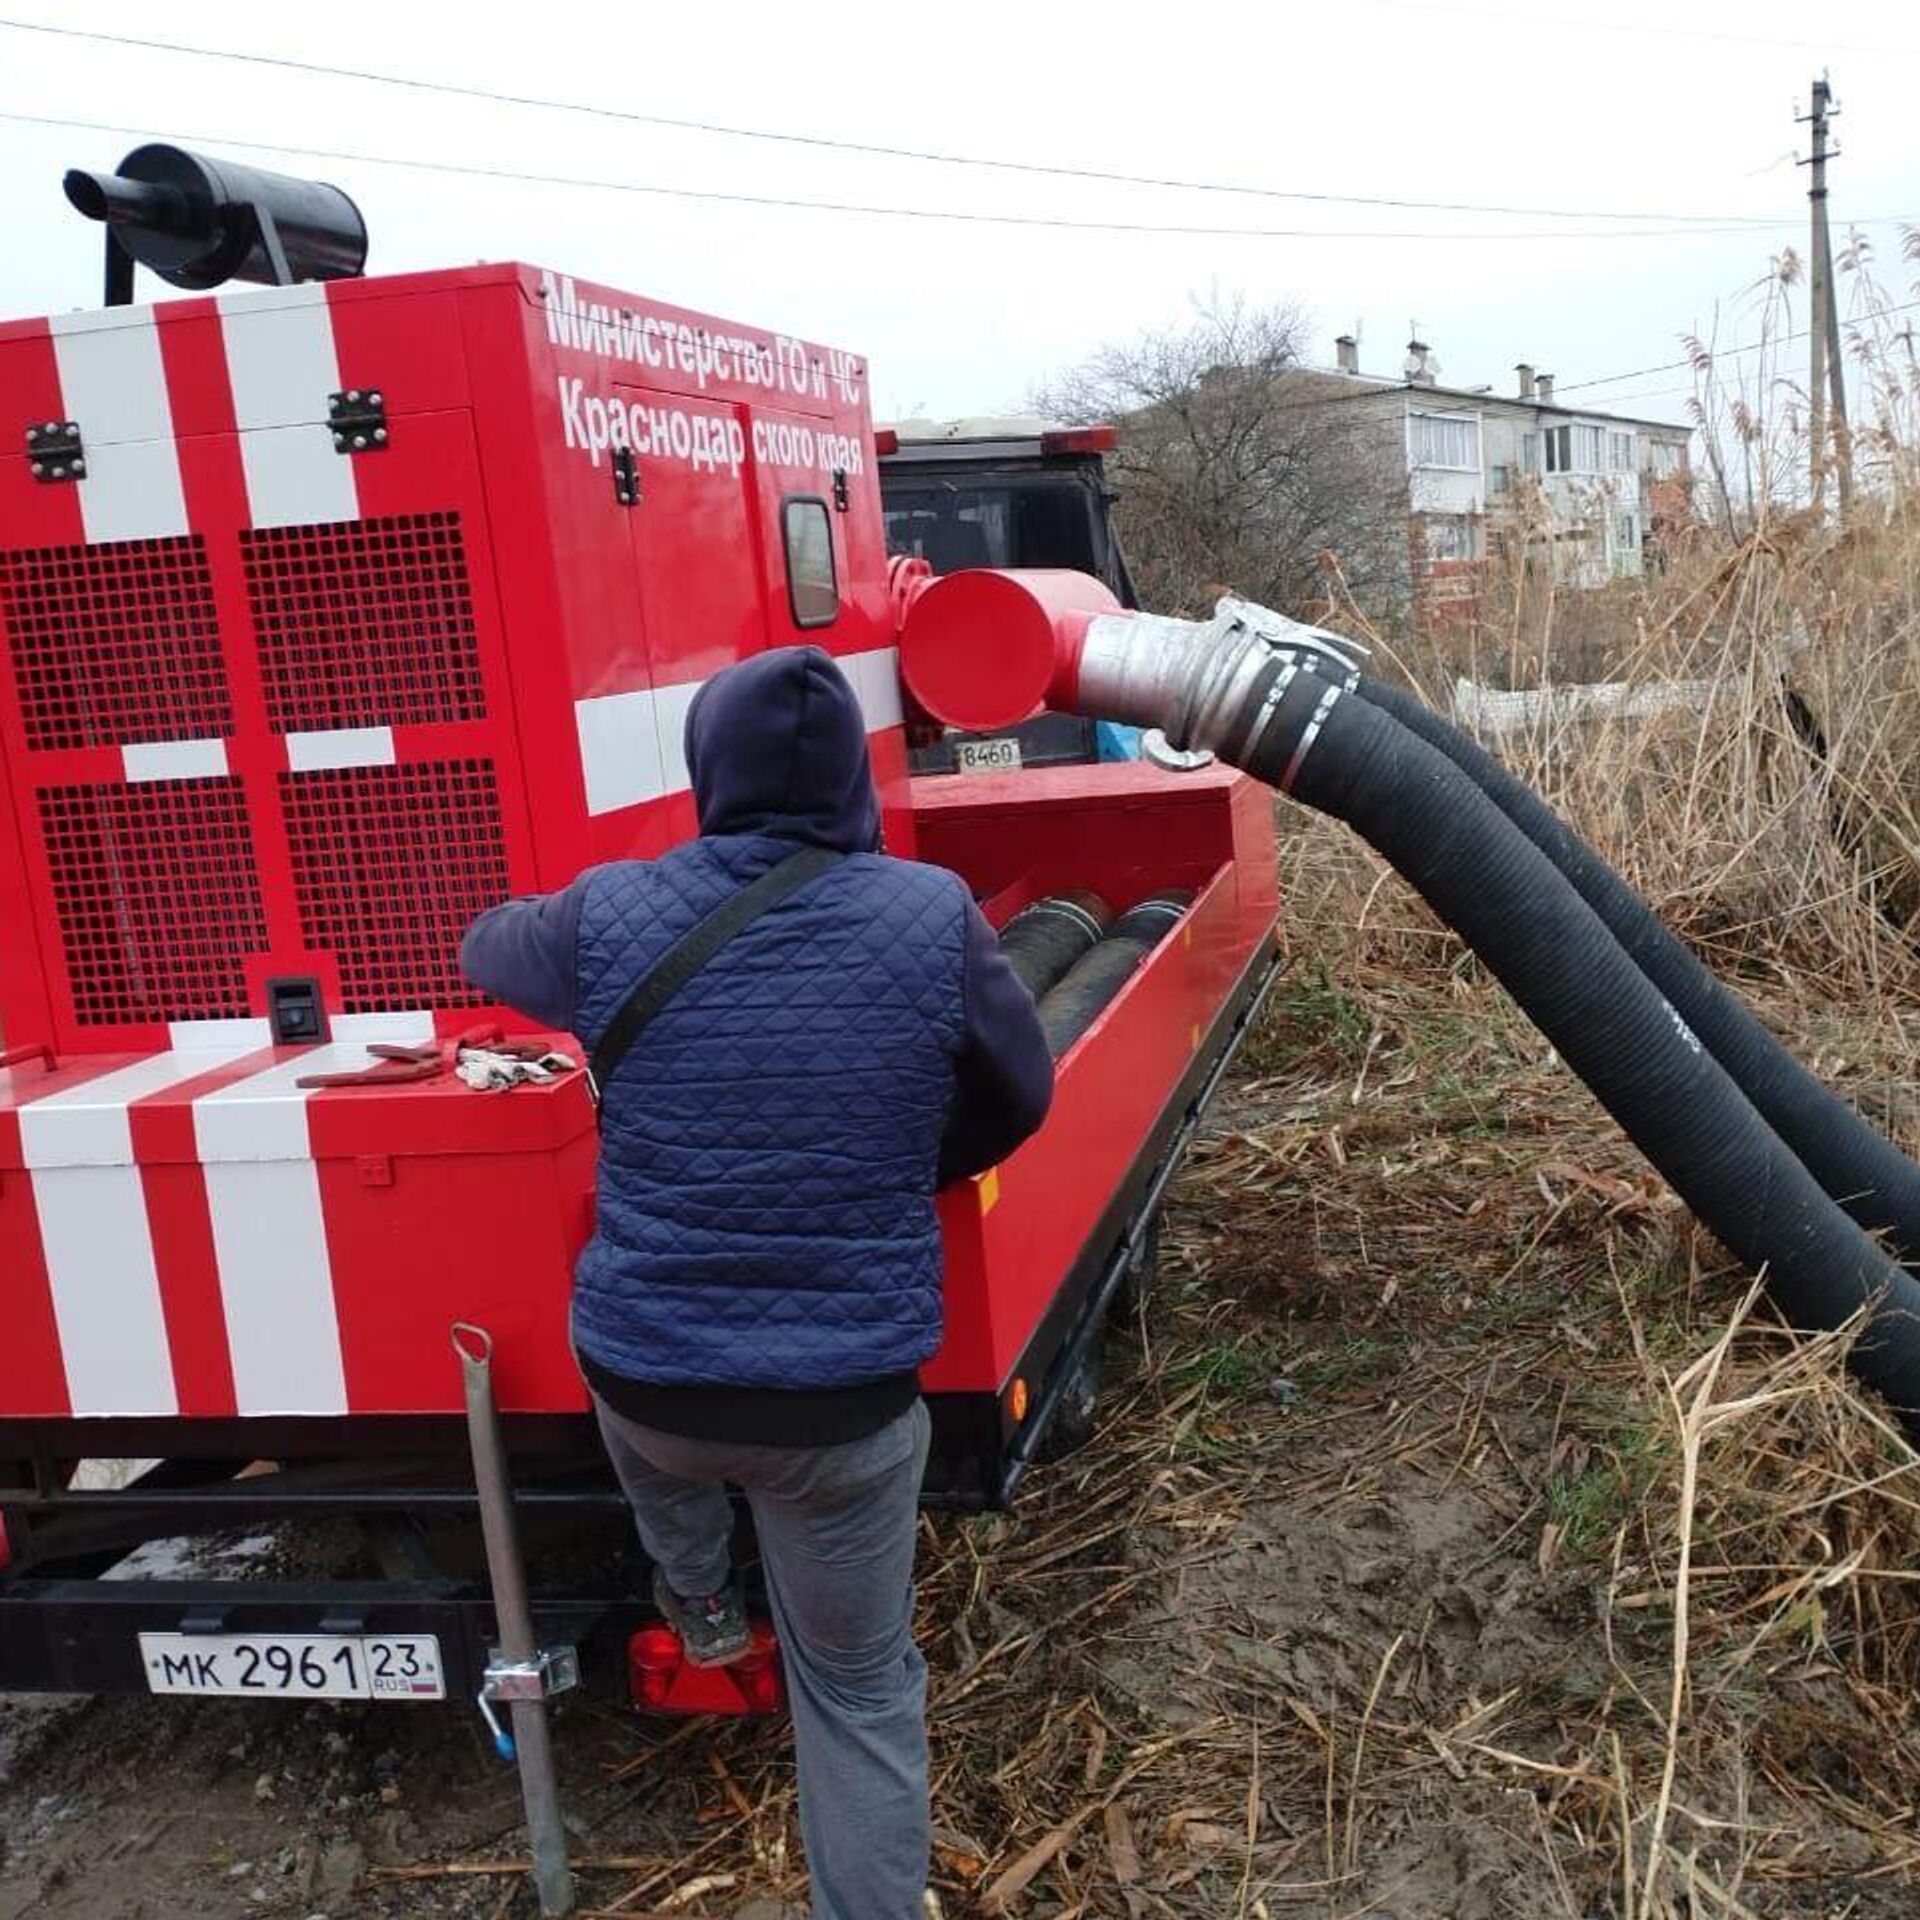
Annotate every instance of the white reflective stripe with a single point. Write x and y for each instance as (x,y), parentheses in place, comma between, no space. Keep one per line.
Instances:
(132,491)
(283,369)
(246,1036)
(87,1125)
(619,750)
(286,484)
(632,744)
(280,358)
(174,760)
(106,1289)
(264,1117)
(276,1282)
(98,1241)
(270,1236)
(396,1029)
(670,706)
(113,385)
(876,679)
(340,747)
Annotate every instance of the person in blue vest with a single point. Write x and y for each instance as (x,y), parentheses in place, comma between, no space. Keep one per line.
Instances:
(763,1280)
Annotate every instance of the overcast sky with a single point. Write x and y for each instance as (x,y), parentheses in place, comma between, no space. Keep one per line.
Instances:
(1622,107)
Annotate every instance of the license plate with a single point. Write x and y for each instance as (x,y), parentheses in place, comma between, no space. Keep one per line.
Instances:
(986,756)
(295,1666)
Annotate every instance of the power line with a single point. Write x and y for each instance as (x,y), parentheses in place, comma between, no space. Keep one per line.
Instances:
(872,150)
(1713,353)
(971,218)
(1638,28)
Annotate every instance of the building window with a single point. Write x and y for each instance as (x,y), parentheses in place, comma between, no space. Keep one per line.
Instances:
(812,590)
(1619,452)
(1445,440)
(1500,480)
(1669,460)
(1447,536)
(1575,449)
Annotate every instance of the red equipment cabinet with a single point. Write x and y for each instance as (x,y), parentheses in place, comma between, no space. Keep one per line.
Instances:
(349,610)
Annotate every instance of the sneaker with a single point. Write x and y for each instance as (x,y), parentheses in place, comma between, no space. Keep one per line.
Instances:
(712,1627)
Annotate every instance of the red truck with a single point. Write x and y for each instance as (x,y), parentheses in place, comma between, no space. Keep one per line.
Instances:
(333,610)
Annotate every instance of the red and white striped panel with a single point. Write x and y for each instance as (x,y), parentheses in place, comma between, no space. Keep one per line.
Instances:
(150,387)
(210,413)
(183,1246)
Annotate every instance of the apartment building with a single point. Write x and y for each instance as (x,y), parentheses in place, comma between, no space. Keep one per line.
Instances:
(1584,490)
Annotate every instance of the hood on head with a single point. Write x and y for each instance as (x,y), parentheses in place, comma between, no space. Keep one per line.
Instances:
(778,744)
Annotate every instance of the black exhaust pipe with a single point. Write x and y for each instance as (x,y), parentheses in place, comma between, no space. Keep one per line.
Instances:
(199,222)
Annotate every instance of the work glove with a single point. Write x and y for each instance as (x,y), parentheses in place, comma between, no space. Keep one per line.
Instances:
(495,1067)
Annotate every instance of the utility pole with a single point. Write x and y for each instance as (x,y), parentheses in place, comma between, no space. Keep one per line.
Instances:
(1826,373)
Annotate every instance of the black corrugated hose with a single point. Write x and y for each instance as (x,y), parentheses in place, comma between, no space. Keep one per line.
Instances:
(1043,940)
(1870,1177)
(1483,876)
(1097,977)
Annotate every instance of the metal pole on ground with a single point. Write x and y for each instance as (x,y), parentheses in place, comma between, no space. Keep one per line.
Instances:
(520,1673)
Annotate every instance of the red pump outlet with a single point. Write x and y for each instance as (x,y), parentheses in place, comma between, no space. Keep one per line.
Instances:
(985,649)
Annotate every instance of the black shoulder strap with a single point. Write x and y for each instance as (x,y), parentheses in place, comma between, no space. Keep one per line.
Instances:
(694,949)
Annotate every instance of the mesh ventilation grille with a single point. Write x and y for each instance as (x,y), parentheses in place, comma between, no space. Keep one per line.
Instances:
(114,643)
(390,865)
(364,623)
(156,896)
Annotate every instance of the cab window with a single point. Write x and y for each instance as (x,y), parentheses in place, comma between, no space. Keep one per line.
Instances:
(813,593)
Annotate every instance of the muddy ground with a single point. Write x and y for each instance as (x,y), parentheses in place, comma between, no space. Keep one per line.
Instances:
(1360,1603)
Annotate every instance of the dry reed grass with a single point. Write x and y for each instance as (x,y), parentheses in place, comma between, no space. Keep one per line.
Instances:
(1777,821)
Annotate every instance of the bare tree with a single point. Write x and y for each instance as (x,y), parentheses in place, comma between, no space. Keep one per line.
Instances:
(1237,466)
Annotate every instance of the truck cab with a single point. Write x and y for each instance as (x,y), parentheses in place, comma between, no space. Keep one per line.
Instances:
(1003,492)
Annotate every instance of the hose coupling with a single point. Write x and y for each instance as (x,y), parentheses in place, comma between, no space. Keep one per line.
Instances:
(1209,686)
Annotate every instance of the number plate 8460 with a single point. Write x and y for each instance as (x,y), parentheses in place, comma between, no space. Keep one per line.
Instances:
(295,1666)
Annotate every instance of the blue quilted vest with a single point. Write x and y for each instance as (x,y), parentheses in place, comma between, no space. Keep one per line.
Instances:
(769,1144)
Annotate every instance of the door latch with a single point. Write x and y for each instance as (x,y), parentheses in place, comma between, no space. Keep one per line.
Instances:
(626,476)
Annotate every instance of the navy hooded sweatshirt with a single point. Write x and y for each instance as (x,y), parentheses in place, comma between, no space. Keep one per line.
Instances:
(766,1262)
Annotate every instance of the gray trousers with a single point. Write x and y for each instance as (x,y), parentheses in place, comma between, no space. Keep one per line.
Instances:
(836,1527)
